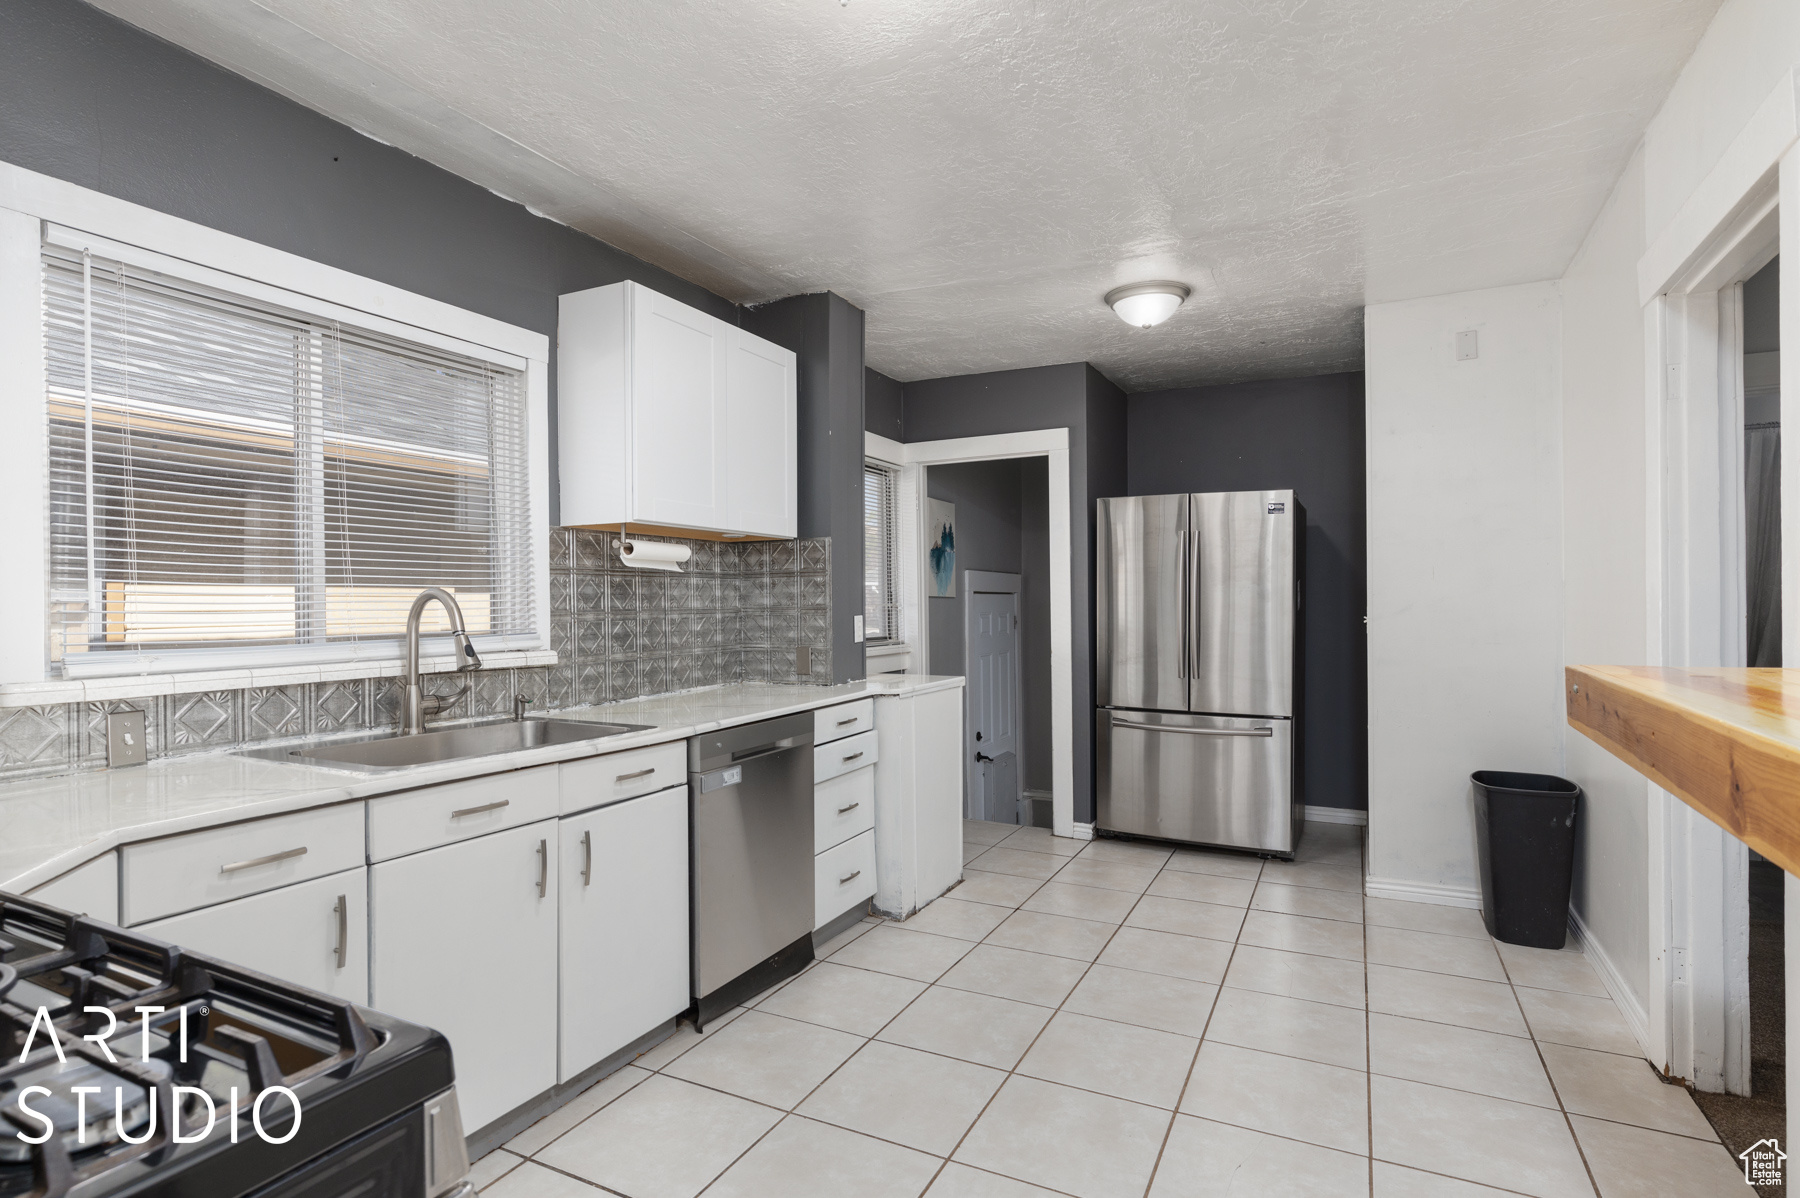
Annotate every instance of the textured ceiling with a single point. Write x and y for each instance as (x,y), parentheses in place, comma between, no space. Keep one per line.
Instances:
(976,174)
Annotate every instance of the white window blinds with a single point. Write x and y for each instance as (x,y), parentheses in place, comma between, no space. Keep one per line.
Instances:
(232,482)
(880,604)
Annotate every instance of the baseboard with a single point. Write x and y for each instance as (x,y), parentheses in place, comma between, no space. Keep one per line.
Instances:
(1627,1002)
(1081,831)
(1422,892)
(1336,815)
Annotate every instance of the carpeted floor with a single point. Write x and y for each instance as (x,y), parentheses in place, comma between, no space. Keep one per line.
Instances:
(1741,1122)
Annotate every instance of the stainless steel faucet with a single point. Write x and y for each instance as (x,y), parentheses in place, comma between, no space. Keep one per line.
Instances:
(415,704)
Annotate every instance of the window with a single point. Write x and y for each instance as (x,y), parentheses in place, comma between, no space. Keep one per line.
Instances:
(234,482)
(881,609)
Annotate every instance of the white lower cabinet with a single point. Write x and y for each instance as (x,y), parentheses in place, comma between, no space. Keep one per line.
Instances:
(91,889)
(624,878)
(464,941)
(314,933)
(843,877)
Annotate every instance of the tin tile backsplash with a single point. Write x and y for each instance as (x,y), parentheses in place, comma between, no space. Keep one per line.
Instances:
(737,613)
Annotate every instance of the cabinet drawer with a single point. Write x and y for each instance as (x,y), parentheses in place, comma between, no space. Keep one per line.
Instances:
(595,781)
(842,807)
(841,756)
(843,877)
(180,873)
(846,719)
(437,815)
(313,933)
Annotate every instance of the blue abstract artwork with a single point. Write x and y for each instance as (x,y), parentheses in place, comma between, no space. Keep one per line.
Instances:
(942,555)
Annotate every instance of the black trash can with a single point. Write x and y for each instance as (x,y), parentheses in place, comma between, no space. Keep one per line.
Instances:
(1525,829)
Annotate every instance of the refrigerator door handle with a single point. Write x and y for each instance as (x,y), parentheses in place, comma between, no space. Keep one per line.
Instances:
(1187,622)
(1191,608)
(1263,730)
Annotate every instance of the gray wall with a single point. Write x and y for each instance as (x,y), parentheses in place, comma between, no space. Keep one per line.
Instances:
(1762,310)
(884,400)
(1304,434)
(92,100)
(1073,396)
(825,331)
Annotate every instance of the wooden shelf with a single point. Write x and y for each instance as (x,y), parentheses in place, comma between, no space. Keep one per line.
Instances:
(1726,741)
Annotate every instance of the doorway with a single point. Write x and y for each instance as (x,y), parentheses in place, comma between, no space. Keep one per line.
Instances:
(987,609)
(1759,1109)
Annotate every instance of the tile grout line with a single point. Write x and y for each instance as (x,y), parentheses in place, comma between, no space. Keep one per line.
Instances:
(1555,1092)
(1194,1062)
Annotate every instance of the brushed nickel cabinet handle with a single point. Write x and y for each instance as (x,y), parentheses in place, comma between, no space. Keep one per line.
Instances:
(271,859)
(587,857)
(480,809)
(343,917)
(543,868)
(851,807)
(851,720)
(638,774)
(854,755)
(850,877)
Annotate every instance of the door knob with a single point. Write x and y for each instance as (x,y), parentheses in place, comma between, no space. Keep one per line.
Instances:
(983,757)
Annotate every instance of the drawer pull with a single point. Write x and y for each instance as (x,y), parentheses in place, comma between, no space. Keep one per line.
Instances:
(854,755)
(342,911)
(638,774)
(850,877)
(478,810)
(851,807)
(543,868)
(587,857)
(851,720)
(271,859)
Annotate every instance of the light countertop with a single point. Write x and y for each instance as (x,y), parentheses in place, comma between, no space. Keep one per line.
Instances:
(49,826)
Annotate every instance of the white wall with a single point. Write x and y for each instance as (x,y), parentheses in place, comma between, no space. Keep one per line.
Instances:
(1465,571)
(1605,602)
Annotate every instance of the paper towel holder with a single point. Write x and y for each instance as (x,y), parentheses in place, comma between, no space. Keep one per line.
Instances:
(652,555)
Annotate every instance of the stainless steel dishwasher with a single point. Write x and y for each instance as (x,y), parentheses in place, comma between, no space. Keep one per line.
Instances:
(751,791)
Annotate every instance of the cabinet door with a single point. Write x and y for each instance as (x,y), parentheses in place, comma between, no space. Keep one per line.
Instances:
(624,924)
(464,941)
(761,438)
(313,933)
(677,413)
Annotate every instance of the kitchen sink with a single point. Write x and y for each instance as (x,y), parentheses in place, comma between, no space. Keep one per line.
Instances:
(391,751)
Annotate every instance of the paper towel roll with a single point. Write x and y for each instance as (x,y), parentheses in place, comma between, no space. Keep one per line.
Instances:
(653,555)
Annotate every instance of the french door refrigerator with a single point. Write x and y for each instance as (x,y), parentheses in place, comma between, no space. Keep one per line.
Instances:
(1197,668)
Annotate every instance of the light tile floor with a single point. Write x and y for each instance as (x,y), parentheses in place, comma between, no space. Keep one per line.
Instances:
(1114,1020)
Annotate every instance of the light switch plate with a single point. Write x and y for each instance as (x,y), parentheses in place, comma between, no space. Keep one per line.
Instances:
(1468,345)
(856,624)
(125,739)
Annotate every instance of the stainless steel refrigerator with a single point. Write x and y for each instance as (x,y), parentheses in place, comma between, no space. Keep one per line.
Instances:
(1198,668)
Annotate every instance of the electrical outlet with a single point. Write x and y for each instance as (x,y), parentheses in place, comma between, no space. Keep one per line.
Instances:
(125,739)
(856,625)
(803,660)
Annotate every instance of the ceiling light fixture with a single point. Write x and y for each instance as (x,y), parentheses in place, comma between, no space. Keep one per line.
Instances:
(1146,304)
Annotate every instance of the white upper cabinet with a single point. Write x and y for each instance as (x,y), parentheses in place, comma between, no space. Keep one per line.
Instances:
(668,416)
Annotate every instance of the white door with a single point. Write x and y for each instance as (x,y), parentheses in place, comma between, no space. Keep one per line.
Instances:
(761,437)
(464,941)
(991,655)
(315,934)
(677,412)
(624,924)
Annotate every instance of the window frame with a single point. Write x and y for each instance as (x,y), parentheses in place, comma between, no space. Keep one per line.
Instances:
(35,208)
(896,621)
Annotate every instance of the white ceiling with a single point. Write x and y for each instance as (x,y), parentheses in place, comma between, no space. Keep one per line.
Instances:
(975,174)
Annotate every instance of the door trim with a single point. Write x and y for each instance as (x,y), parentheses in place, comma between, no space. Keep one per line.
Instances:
(992,582)
(1053,445)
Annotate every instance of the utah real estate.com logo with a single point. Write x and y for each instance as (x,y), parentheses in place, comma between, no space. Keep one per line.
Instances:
(1762,1163)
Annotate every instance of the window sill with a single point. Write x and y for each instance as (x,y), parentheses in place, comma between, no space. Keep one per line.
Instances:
(891,656)
(147,686)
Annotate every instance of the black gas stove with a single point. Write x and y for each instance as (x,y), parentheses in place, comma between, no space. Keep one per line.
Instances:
(129,1066)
